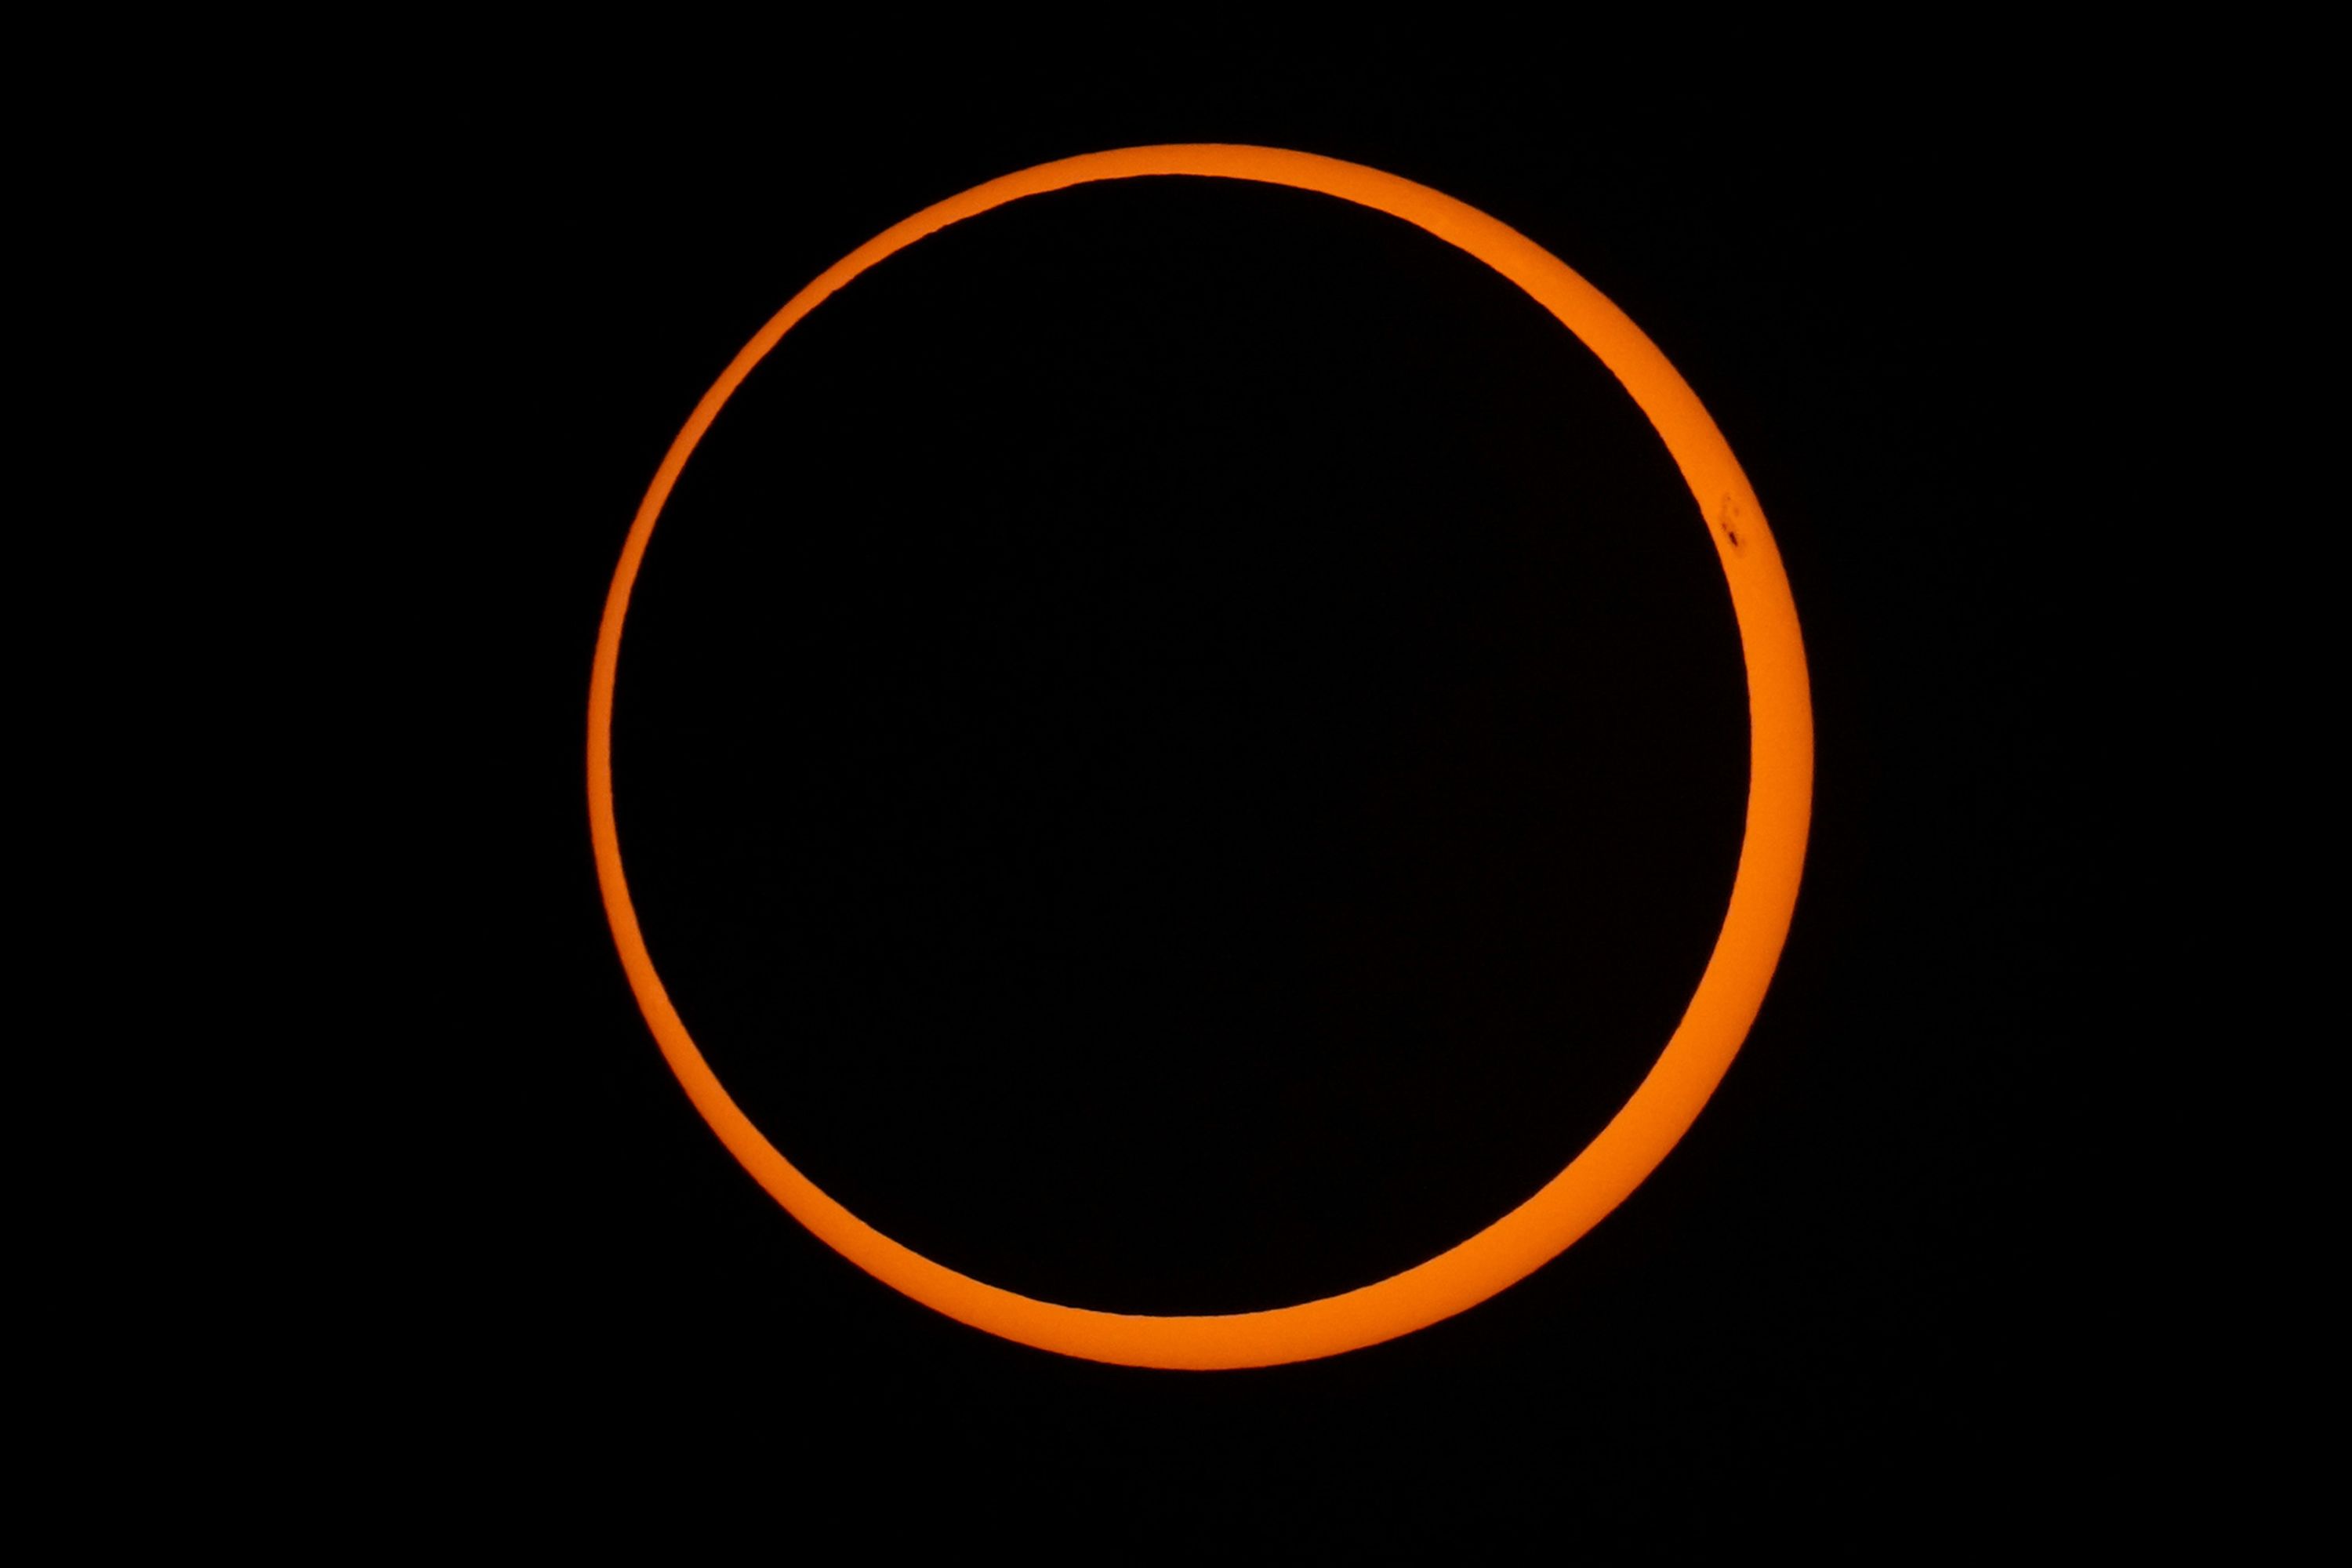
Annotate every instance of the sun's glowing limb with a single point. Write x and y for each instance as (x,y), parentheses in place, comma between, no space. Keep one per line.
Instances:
(1763,894)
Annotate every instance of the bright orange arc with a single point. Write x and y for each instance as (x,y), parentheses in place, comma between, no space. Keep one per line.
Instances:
(1763,894)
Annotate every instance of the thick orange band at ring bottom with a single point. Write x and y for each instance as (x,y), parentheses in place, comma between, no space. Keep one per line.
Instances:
(1763,894)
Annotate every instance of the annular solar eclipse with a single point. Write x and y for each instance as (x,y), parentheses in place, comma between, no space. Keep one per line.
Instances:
(1720,1011)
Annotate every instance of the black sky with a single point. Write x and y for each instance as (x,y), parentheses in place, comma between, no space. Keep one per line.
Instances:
(1850,1297)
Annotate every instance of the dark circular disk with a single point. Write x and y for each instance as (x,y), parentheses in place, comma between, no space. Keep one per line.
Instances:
(1180,746)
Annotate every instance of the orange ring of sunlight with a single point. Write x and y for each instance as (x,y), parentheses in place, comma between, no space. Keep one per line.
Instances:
(1763,894)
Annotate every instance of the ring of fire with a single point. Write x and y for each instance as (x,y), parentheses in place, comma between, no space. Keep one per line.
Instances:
(1730,992)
